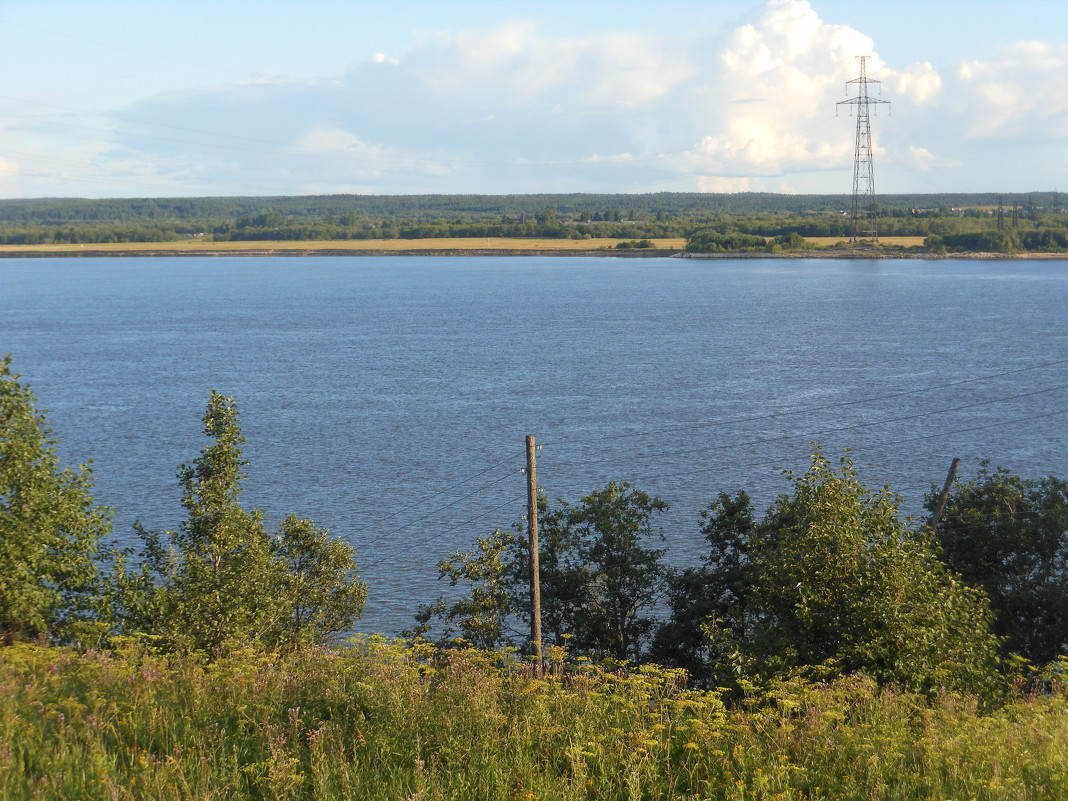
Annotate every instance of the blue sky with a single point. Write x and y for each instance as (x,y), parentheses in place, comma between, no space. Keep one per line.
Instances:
(134,99)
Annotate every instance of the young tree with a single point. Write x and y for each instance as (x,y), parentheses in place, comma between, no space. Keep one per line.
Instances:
(715,593)
(620,576)
(325,595)
(839,581)
(1009,535)
(50,529)
(481,617)
(598,579)
(221,578)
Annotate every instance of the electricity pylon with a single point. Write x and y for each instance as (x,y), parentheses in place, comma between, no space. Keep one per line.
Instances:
(862,215)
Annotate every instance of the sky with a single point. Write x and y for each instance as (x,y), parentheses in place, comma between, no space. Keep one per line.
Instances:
(143,98)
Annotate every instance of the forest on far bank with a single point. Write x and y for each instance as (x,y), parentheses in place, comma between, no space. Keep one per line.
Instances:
(987,222)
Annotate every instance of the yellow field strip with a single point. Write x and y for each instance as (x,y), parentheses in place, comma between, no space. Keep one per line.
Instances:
(451,244)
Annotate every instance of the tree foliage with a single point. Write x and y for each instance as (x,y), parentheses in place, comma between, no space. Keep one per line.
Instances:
(481,617)
(830,580)
(1009,535)
(50,528)
(618,575)
(839,580)
(222,578)
(599,579)
(713,221)
(714,593)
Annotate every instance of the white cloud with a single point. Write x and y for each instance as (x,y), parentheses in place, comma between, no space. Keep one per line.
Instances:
(921,159)
(719,183)
(1023,90)
(514,64)
(362,160)
(919,84)
(514,108)
(779,75)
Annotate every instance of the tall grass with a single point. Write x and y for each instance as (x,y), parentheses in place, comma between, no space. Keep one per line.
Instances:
(381,720)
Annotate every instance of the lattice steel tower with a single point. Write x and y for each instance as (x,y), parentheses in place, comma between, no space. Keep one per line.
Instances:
(862,215)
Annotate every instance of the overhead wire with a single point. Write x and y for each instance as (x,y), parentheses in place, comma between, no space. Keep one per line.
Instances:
(305,151)
(839,429)
(411,544)
(699,424)
(577,570)
(437,509)
(515,500)
(421,501)
(898,441)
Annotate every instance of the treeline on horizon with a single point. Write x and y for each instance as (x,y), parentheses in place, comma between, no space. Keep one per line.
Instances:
(828,581)
(956,222)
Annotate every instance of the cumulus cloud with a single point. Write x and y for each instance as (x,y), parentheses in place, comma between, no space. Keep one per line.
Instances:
(719,183)
(782,72)
(515,64)
(1022,89)
(919,83)
(513,108)
(9,178)
(921,159)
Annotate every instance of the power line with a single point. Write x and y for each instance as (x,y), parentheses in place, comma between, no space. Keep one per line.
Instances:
(697,425)
(423,500)
(899,441)
(869,424)
(303,151)
(513,500)
(437,509)
(408,546)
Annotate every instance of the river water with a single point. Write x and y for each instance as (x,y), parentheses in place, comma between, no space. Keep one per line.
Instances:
(388,398)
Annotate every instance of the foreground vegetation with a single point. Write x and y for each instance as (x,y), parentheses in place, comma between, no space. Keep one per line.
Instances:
(826,650)
(388,721)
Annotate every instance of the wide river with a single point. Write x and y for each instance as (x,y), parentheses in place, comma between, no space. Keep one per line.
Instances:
(388,398)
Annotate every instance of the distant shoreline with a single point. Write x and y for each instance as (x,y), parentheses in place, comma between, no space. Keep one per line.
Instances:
(305,252)
(453,248)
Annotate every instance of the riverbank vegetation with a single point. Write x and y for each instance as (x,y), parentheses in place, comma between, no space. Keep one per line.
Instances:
(949,223)
(384,721)
(823,649)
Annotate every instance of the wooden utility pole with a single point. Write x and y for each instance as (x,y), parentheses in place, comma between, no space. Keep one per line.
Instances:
(944,497)
(535,567)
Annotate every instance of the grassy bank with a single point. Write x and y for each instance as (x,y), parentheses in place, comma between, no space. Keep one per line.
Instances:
(381,721)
